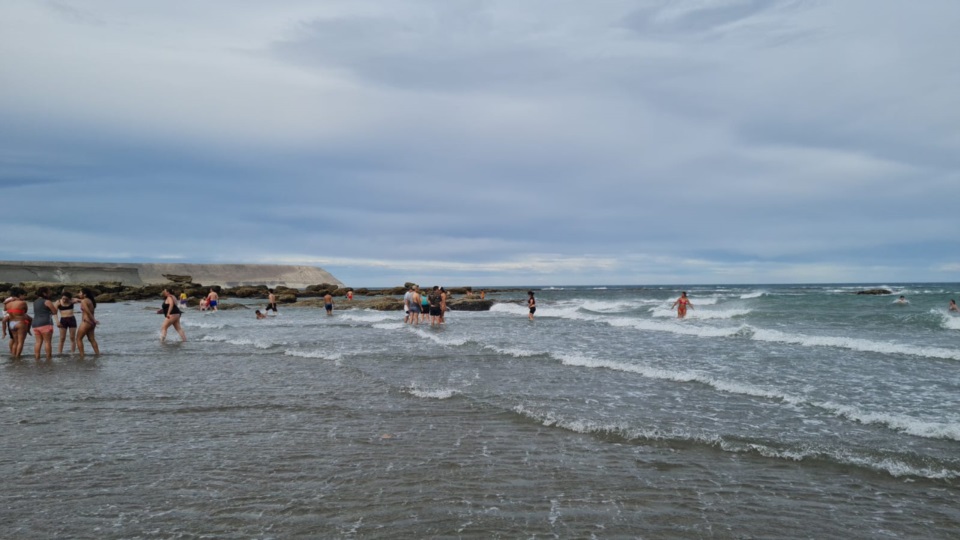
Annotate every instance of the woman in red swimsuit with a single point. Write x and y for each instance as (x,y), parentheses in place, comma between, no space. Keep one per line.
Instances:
(19,322)
(682,304)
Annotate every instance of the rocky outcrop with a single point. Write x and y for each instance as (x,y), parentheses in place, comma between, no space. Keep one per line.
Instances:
(470,304)
(875,291)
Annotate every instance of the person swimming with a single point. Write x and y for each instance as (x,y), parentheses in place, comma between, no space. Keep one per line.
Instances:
(953,306)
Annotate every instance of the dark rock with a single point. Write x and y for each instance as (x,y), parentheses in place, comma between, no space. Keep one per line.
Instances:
(286,298)
(470,304)
(875,291)
(176,278)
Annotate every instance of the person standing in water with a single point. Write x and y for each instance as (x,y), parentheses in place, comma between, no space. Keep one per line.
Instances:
(953,305)
(682,304)
(88,323)
(532,304)
(68,321)
(328,303)
(171,316)
(17,321)
(212,299)
(44,317)
(271,302)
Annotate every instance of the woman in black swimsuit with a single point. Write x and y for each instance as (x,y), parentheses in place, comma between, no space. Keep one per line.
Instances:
(68,321)
(171,316)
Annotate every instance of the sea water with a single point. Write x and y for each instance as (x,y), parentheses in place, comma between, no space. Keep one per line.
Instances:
(773,411)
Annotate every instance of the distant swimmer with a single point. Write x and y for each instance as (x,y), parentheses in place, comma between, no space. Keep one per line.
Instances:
(531,304)
(183,300)
(682,304)
(953,306)
(328,303)
(902,301)
(261,315)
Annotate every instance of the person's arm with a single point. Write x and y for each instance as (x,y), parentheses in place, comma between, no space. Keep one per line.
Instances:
(54,313)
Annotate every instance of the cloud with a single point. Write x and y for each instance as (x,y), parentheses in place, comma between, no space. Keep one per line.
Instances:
(709,141)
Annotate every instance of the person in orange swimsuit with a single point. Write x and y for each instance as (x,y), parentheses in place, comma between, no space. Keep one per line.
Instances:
(682,304)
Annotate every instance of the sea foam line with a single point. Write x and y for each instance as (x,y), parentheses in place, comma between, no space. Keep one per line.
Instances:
(905,424)
(891,465)
(856,344)
(258,343)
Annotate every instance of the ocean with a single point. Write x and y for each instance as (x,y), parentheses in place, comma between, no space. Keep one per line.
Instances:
(792,411)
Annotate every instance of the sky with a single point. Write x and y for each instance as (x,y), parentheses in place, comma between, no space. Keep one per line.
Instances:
(463,142)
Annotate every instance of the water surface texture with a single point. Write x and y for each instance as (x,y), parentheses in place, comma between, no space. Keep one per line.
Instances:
(773,411)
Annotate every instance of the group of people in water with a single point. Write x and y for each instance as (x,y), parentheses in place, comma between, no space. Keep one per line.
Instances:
(430,307)
(48,314)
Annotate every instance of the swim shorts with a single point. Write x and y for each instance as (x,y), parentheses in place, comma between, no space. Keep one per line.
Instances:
(68,322)
(45,329)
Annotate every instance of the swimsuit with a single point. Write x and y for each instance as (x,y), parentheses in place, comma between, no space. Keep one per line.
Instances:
(213,303)
(68,321)
(272,305)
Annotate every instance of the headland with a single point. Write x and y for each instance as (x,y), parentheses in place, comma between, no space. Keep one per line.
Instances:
(140,274)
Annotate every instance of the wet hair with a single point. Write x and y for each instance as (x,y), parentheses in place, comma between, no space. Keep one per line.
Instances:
(17,291)
(530,293)
(258,312)
(88,293)
(43,292)
(67,294)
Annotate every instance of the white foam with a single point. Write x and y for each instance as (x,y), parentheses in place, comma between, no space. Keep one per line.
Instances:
(513,351)
(906,424)
(755,294)
(390,326)
(316,353)
(431,393)
(189,323)
(366,315)
(948,320)
(855,344)
(889,465)
(702,314)
(450,342)
(258,343)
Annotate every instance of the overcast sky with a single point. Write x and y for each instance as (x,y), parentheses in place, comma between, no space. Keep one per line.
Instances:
(529,142)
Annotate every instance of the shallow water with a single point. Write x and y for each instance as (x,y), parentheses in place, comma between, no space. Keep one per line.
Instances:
(801,411)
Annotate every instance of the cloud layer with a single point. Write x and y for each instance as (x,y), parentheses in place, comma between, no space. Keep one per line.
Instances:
(489,143)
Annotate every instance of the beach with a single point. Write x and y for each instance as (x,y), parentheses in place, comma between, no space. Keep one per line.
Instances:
(795,411)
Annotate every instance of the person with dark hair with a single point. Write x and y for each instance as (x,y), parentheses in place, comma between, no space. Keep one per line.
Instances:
(271,302)
(953,305)
(88,322)
(436,300)
(171,315)
(17,321)
(531,304)
(443,305)
(261,315)
(44,317)
(682,304)
(68,321)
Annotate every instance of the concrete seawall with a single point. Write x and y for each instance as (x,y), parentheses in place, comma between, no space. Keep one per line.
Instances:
(134,274)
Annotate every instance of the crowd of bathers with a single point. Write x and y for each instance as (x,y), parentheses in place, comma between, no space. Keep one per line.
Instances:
(47,315)
(419,307)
